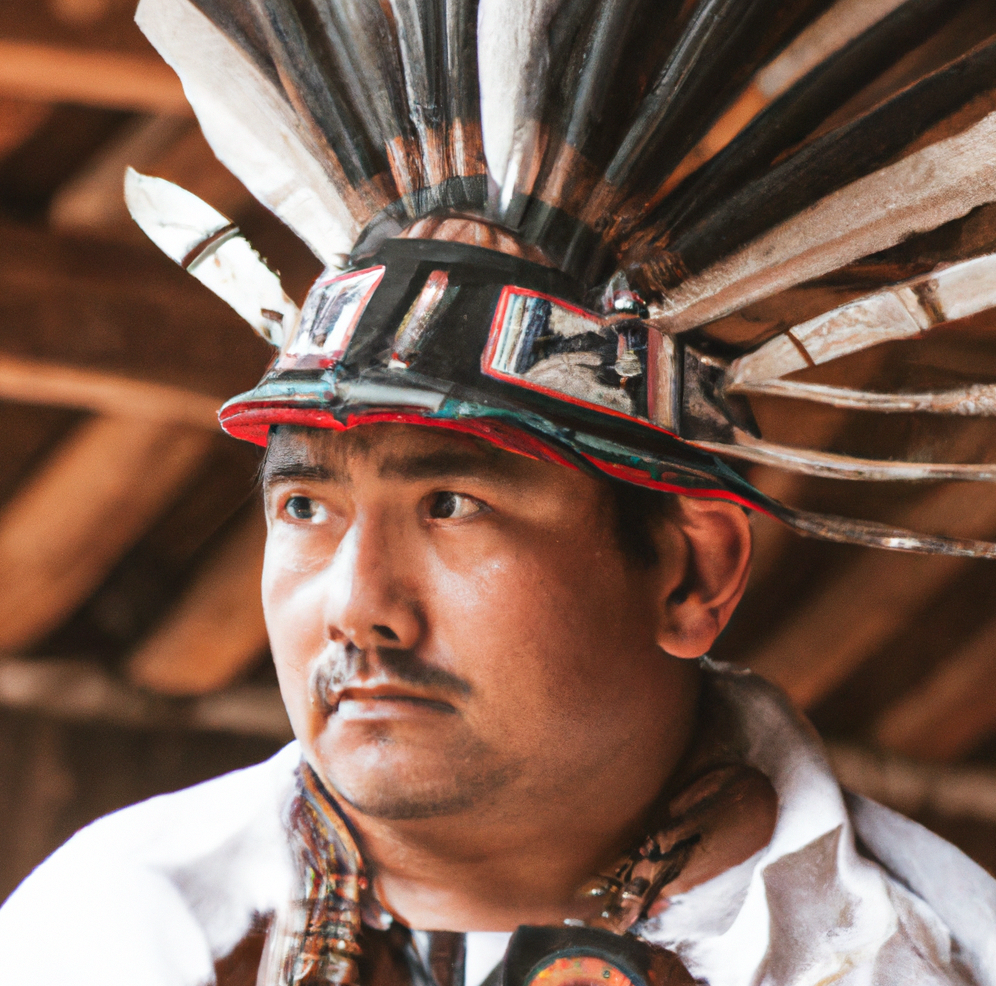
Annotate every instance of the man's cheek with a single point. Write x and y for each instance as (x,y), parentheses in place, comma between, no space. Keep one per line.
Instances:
(293,611)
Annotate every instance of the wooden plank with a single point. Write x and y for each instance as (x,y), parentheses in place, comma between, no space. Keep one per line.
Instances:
(951,712)
(19,119)
(80,13)
(216,632)
(82,510)
(115,80)
(92,203)
(81,691)
(106,308)
(819,644)
(34,382)
(915,787)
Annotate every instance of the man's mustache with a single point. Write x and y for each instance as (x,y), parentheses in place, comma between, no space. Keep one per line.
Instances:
(343,664)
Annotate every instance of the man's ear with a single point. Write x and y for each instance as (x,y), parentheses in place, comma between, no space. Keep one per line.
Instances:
(705,549)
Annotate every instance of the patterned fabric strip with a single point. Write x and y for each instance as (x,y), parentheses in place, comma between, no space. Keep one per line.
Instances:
(315,941)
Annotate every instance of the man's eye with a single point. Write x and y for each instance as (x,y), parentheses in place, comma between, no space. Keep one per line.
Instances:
(304,508)
(453,506)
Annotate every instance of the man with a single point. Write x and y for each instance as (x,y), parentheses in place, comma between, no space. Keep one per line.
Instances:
(498,545)
(496,679)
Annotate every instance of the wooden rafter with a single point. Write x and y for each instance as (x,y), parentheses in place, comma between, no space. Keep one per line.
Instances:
(109,309)
(816,646)
(35,382)
(19,119)
(92,202)
(80,512)
(915,786)
(951,712)
(216,632)
(116,80)
(83,691)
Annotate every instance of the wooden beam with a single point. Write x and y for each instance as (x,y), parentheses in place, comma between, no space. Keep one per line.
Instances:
(106,308)
(69,524)
(216,632)
(33,382)
(914,787)
(92,202)
(83,691)
(818,645)
(19,119)
(951,712)
(111,79)
(80,13)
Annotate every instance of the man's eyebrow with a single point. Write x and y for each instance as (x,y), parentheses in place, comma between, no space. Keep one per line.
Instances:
(314,471)
(433,465)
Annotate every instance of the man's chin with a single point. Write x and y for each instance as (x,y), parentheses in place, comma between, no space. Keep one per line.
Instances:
(398,804)
(384,778)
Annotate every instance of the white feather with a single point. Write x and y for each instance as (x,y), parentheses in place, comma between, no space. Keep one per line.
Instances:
(512,53)
(253,135)
(178,222)
(173,218)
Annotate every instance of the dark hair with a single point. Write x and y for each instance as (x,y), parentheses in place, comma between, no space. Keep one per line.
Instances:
(638,510)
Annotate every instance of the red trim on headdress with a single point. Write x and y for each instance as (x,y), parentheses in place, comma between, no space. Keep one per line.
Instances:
(252,423)
(639,478)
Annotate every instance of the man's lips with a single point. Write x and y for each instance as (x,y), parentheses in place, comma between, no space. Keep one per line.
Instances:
(384,701)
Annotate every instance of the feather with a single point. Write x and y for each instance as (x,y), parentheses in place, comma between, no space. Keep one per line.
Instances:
(906,311)
(821,40)
(437,45)
(919,193)
(208,246)
(618,93)
(512,56)
(737,167)
(799,111)
(830,162)
(829,465)
(845,21)
(846,530)
(974,401)
(723,44)
(318,83)
(257,137)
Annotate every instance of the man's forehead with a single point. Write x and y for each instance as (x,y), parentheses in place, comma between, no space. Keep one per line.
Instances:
(393,450)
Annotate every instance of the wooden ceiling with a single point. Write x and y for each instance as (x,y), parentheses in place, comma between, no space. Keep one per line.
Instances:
(131,537)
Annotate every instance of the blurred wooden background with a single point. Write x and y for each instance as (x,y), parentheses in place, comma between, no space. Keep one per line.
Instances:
(135,658)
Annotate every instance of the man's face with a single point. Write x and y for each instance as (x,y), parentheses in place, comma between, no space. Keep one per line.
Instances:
(454,627)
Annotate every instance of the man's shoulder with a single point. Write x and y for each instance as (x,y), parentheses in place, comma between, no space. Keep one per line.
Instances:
(173,881)
(957,889)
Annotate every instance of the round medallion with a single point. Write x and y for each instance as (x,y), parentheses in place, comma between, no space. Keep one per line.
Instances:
(579,970)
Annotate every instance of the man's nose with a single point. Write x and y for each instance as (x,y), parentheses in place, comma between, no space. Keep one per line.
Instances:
(371,602)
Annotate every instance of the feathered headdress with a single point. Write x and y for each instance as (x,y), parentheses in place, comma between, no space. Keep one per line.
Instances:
(541,218)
